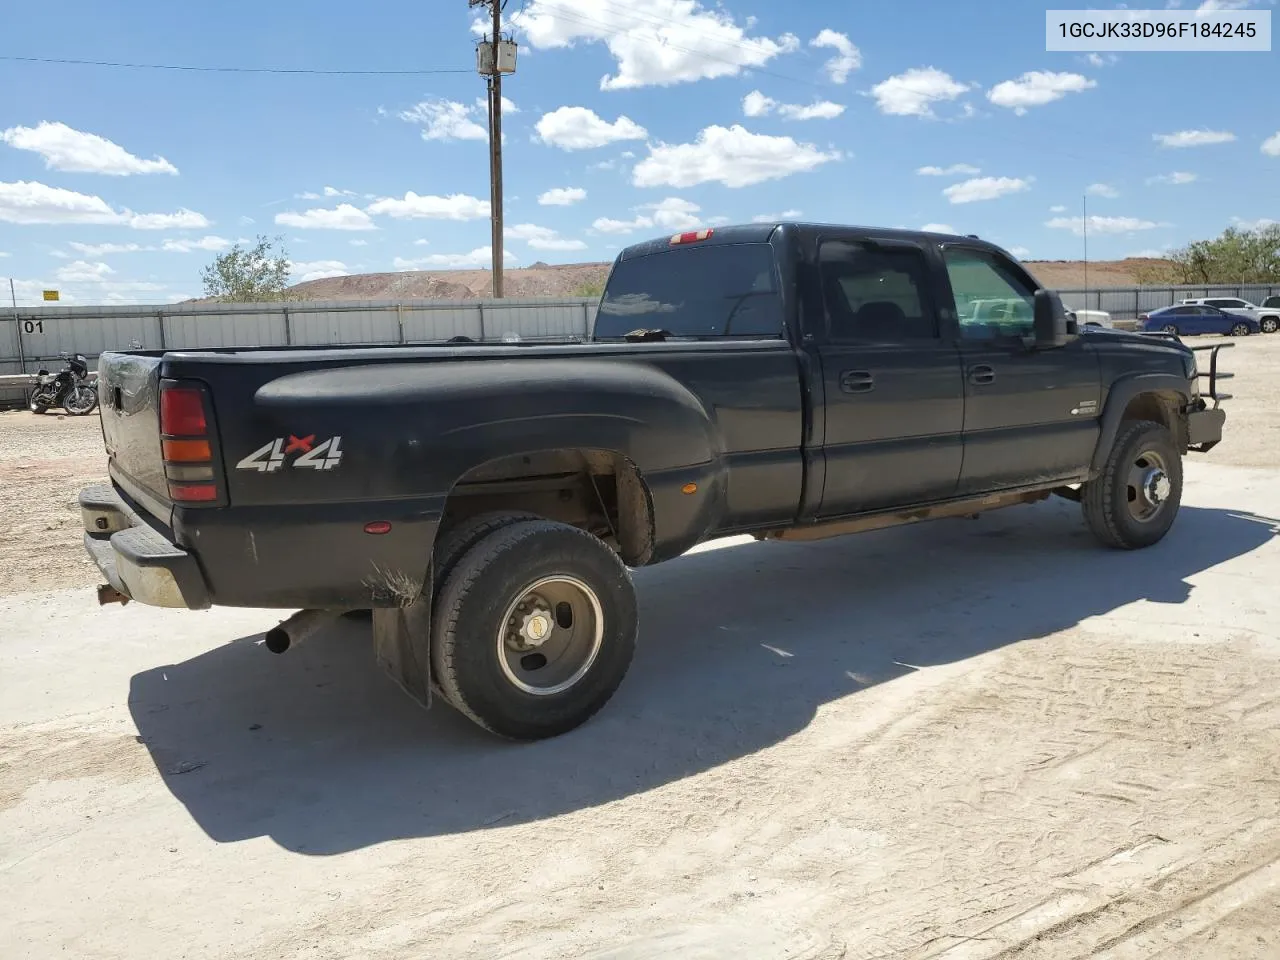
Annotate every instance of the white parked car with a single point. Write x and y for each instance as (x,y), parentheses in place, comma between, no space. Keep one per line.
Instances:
(1268,317)
(1092,318)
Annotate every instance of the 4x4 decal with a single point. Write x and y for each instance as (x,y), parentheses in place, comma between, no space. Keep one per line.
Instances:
(270,457)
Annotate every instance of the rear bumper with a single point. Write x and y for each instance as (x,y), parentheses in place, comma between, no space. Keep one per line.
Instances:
(1204,429)
(135,558)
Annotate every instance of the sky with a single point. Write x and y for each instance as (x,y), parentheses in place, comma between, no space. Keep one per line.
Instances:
(624,121)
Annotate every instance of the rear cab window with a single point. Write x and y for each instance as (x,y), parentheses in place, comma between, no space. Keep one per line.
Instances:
(723,290)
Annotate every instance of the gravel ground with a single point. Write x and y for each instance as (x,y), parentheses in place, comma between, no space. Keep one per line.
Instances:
(1030,747)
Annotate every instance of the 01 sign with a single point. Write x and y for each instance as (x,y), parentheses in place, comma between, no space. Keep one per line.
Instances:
(274,455)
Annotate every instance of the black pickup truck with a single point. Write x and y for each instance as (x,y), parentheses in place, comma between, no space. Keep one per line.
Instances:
(791,381)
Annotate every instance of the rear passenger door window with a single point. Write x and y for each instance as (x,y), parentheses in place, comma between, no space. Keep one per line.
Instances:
(876,293)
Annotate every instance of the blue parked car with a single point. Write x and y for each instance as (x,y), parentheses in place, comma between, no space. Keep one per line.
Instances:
(1199,318)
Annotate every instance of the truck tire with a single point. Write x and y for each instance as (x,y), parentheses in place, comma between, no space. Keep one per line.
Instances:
(457,540)
(1269,324)
(1134,500)
(534,629)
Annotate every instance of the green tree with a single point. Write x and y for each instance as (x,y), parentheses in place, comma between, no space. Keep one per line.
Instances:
(1238,256)
(252,275)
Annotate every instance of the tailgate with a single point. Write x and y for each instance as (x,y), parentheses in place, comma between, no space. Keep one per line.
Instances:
(129,392)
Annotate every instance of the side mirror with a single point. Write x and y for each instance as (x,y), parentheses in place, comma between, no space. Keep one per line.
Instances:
(1051,325)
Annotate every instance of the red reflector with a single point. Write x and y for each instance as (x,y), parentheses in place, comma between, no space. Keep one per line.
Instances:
(193,492)
(182,412)
(693,236)
(377,527)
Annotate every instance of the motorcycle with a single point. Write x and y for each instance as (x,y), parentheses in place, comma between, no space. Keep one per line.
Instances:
(69,389)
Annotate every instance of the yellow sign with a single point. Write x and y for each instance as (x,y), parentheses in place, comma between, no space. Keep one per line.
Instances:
(51,294)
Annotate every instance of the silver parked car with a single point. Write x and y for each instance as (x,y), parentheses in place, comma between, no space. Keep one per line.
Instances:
(1268,317)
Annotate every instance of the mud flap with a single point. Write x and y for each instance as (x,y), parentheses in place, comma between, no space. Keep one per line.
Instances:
(402,644)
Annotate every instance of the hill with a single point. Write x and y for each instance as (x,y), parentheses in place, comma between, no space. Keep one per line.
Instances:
(542,280)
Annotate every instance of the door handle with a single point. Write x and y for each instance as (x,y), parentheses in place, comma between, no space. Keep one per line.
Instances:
(857,381)
(982,373)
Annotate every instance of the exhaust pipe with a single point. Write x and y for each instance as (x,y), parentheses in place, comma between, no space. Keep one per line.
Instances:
(297,628)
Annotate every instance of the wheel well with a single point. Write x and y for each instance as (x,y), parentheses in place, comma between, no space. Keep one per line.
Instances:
(599,491)
(1162,407)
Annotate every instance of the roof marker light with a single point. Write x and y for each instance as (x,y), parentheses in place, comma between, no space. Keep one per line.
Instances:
(692,236)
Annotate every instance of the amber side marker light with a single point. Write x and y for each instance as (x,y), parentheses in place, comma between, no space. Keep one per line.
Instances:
(689,489)
(377,527)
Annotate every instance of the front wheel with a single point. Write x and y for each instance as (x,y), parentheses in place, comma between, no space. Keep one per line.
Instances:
(534,629)
(81,401)
(1170,328)
(1135,499)
(1269,324)
(1240,330)
(34,404)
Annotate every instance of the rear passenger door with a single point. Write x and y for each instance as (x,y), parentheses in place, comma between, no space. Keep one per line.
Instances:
(894,394)
(1031,415)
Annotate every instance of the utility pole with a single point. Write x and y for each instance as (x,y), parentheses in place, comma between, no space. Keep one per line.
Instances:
(495,57)
(17,326)
(1084,226)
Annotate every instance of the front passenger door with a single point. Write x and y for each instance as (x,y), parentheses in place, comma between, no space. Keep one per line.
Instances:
(1031,415)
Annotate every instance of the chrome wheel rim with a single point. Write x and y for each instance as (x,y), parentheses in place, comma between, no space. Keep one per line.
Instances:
(1149,486)
(1170,328)
(81,399)
(1240,330)
(1269,325)
(550,636)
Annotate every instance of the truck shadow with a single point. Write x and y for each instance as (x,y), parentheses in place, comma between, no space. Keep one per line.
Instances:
(739,646)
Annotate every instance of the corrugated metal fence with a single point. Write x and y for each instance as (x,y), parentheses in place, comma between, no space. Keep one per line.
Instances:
(32,338)
(1125,303)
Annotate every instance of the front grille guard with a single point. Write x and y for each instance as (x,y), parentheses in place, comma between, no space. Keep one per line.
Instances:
(1213,374)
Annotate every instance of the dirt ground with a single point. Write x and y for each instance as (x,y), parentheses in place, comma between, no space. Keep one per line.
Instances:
(961,740)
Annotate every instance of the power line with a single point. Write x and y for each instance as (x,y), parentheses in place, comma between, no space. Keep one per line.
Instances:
(276,70)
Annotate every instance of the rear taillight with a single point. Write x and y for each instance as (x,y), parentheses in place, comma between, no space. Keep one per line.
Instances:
(186,445)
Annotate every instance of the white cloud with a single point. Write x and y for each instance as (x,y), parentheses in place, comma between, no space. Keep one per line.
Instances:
(777,217)
(1101,59)
(541,238)
(456,206)
(818,110)
(3,254)
(335,192)
(577,128)
(985,188)
(939,228)
(342,217)
(1020,252)
(912,94)
(29,202)
(664,43)
(1260,224)
(1210,6)
(445,120)
(673,213)
(318,269)
(732,156)
(1058,208)
(1102,224)
(105,249)
(480,257)
(74,151)
(1148,254)
(756,104)
(358,243)
(210,243)
(1193,138)
(1271,146)
(1036,88)
(1177,178)
(422,243)
(607,225)
(847,58)
(562,197)
(80,271)
(955,170)
(1102,190)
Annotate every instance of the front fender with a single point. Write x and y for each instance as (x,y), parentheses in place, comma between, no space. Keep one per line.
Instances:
(1121,394)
